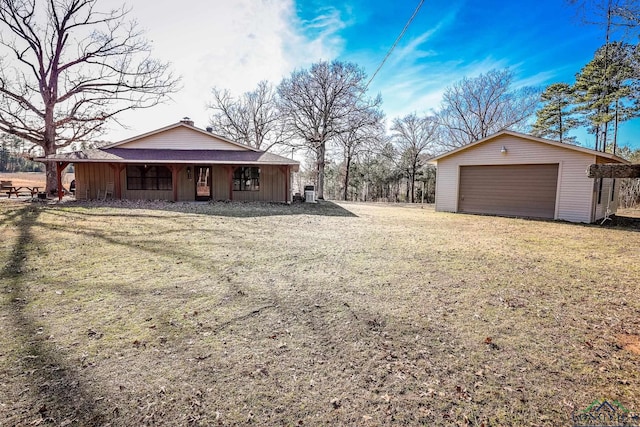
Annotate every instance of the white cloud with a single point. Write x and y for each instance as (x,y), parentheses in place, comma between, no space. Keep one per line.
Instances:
(411,86)
(228,44)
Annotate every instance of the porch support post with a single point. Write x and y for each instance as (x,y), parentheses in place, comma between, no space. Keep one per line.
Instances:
(60,166)
(230,171)
(287,178)
(174,180)
(117,171)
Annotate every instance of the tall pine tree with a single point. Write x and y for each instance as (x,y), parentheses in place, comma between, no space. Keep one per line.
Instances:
(606,92)
(555,119)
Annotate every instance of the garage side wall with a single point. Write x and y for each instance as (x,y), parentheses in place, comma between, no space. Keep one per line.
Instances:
(605,198)
(575,191)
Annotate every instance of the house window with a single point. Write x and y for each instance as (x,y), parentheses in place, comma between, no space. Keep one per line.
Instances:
(246,179)
(148,178)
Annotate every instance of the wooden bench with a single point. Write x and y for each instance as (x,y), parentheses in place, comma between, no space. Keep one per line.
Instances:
(7,187)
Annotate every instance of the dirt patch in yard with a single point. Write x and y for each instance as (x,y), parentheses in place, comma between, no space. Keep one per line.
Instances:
(178,314)
(629,342)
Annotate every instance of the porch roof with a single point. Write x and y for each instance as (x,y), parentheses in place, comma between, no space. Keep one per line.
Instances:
(151,156)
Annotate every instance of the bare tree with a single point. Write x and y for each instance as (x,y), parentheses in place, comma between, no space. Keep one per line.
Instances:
(252,118)
(364,128)
(67,70)
(475,108)
(620,17)
(413,136)
(317,103)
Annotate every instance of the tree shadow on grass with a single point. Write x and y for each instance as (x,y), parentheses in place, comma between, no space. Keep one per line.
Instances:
(43,387)
(624,223)
(620,222)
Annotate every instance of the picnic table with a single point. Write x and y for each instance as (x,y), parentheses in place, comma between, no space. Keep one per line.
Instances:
(9,188)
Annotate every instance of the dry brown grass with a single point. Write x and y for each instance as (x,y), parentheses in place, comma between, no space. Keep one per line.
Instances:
(350,314)
(32,179)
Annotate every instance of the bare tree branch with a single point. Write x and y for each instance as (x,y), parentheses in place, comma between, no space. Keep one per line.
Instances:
(73,70)
(316,105)
(475,108)
(252,119)
(414,137)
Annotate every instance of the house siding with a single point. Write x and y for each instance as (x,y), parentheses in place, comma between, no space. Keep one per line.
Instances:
(575,191)
(272,187)
(182,139)
(92,178)
(220,182)
(186,186)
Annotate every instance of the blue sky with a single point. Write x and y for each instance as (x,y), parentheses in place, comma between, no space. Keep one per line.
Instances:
(235,44)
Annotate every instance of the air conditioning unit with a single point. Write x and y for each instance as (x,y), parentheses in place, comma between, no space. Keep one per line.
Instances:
(309,194)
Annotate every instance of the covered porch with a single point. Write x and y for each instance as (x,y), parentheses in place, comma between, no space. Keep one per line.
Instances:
(183,182)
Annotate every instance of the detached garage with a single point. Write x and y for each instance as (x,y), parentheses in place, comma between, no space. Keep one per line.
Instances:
(513,174)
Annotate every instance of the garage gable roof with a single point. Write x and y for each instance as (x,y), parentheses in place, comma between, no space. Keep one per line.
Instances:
(607,156)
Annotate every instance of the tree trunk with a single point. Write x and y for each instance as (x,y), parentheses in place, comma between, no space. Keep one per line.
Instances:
(560,124)
(406,197)
(605,133)
(320,152)
(615,131)
(49,143)
(50,168)
(51,177)
(346,176)
(413,186)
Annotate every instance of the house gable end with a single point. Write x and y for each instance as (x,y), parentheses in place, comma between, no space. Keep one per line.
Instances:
(181,137)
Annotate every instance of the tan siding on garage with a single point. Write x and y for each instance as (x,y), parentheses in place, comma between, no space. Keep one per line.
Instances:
(574,197)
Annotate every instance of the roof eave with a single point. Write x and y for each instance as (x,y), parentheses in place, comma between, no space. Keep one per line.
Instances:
(558,144)
(153,161)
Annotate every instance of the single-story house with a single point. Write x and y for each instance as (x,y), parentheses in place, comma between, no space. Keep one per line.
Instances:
(513,174)
(180,162)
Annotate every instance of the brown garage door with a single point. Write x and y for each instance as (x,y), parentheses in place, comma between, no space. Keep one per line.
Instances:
(513,190)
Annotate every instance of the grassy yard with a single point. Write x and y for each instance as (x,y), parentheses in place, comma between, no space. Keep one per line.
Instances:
(349,314)
(22,179)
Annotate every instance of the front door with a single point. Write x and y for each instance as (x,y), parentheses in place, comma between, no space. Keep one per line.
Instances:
(203,182)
